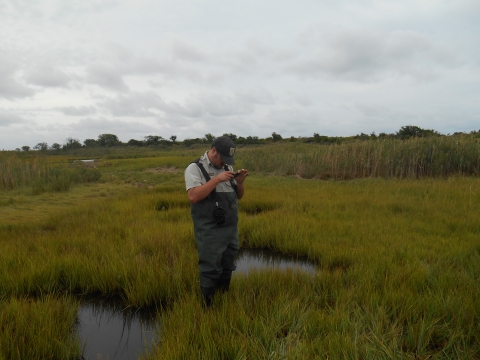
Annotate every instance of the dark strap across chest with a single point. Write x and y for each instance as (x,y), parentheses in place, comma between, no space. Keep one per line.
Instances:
(213,194)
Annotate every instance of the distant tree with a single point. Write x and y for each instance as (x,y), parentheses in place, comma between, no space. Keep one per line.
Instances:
(252,140)
(188,142)
(133,142)
(107,140)
(56,147)
(153,139)
(173,138)
(410,131)
(276,137)
(362,136)
(72,143)
(231,136)
(43,146)
(18,149)
(90,143)
(209,138)
(25,148)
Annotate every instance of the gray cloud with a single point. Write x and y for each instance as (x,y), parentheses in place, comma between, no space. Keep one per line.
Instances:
(10,86)
(150,104)
(183,50)
(118,62)
(77,111)
(139,104)
(300,99)
(7,118)
(192,108)
(220,106)
(12,89)
(47,76)
(363,55)
(107,77)
(294,121)
(241,102)
(260,48)
(249,68)
(258,95)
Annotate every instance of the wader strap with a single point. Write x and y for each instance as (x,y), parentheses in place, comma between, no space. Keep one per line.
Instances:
(213,194)
(234,186)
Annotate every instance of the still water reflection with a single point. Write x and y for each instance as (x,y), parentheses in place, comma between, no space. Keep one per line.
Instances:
(268,259)
(111,331)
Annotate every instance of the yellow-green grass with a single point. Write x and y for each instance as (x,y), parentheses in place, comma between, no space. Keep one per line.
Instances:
(398,264)
(38,329)
(26,204)
(398,277)
(389,158)
(18,170)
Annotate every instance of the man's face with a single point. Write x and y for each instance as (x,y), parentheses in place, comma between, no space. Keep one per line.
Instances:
(216,159)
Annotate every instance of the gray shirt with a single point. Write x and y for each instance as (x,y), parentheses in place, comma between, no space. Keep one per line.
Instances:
(194,176)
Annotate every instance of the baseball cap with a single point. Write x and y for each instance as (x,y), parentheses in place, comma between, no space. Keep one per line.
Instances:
(226,148)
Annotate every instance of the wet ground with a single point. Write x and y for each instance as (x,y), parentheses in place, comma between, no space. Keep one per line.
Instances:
(111,331)
(248,259)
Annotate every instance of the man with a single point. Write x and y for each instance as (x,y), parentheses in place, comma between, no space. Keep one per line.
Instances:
(214,192)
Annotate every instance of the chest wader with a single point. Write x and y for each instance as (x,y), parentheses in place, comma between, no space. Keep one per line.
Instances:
(216,235)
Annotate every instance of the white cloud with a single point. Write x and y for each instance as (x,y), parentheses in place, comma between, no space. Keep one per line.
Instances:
(107,77)
(251,68)
(47,76)
(365,55)
(10,85)
(77,111)
(7,118)
(183,50)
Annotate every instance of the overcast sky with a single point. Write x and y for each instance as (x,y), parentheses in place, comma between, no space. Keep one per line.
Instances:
(80,68)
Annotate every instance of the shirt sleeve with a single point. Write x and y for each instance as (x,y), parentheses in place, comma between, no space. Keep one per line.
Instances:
(193,176)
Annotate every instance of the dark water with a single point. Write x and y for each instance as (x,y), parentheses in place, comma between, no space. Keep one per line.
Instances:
(110,331)
(268,259)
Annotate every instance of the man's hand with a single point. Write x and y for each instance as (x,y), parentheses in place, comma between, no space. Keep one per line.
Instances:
(199,193)
(224,176)
(242,175)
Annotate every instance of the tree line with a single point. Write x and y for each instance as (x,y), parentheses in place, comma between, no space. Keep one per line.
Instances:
(111,140)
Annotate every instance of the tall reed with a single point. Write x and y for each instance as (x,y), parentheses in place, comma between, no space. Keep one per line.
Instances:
(19,170)
(24,170)
(389,158)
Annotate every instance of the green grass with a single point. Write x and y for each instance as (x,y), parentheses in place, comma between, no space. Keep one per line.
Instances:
(38,329)
(390,158)
(398,265)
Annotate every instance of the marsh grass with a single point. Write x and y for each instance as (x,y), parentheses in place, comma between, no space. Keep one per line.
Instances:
(38,329)
(17,170)
(414,158)
(397,265)
(35,171)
